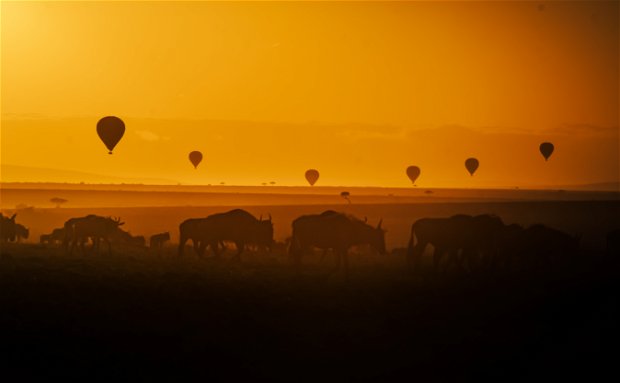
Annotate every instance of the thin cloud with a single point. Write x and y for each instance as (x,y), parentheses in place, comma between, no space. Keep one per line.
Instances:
(587,129)
(147,135)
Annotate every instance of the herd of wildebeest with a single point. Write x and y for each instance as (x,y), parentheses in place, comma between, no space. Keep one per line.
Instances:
(461,242)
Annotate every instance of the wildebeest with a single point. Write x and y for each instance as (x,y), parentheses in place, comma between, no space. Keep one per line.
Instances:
(57,236)
(332,230)
(509,241)
(157,240)
(97,228)
(236,226)
(542,245)
(7,228)
(473,236)
(123,237)
(21,232)
(45,238)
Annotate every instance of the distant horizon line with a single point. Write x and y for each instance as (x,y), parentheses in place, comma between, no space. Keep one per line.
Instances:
(524,188)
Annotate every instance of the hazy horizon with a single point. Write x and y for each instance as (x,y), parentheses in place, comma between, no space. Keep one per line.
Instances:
(72,177)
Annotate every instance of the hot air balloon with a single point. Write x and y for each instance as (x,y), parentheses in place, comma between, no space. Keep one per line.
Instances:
(546,149)
(195,157)
(311,176)
(413,172)
(110,130)
(471,164)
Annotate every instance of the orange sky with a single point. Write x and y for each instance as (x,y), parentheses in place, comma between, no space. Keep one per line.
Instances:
(357,90)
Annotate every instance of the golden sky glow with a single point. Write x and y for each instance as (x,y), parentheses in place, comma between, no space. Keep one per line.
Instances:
(357,90)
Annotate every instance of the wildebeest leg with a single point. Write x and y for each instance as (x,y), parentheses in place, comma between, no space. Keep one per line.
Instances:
(485,258)
(222,245)
(345,260)
(81,245)
(199,246)
(466,257)
(97,245)
(106,240)
(323,254)
(294,253)
(416,254)
(452,257)
(437,255)
(214,245)
(182,241)
(339,255)
(71,244)
(240,246)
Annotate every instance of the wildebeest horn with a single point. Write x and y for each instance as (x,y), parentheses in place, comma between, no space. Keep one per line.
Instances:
(13,217)
(269,217)
(260,218)
(380,222)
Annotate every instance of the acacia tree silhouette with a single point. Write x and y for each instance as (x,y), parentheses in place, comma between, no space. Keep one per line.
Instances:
(58,201)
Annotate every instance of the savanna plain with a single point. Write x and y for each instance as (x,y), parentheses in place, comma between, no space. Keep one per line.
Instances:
(140,313)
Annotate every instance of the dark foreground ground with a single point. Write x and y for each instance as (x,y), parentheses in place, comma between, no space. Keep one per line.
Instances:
(134,316)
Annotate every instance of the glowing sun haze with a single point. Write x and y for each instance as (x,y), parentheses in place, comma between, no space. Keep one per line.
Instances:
(359,91)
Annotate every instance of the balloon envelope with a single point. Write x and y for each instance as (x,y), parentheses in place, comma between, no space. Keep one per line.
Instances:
(413,172)
(110,130)
(195,157)
(546,149)
(471,164)
(312,176)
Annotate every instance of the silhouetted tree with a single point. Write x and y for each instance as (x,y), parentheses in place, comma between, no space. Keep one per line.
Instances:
(58,201)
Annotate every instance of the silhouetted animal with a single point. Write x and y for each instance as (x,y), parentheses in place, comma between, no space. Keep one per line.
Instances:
(125,238)
(327,213)
(331,230)
(613,243)
(473,236)
(57,236)
(157,241)
(79,230)
(45,238)
(509,242)
(21,231)
(236,226)
(542,245)
(7,228)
